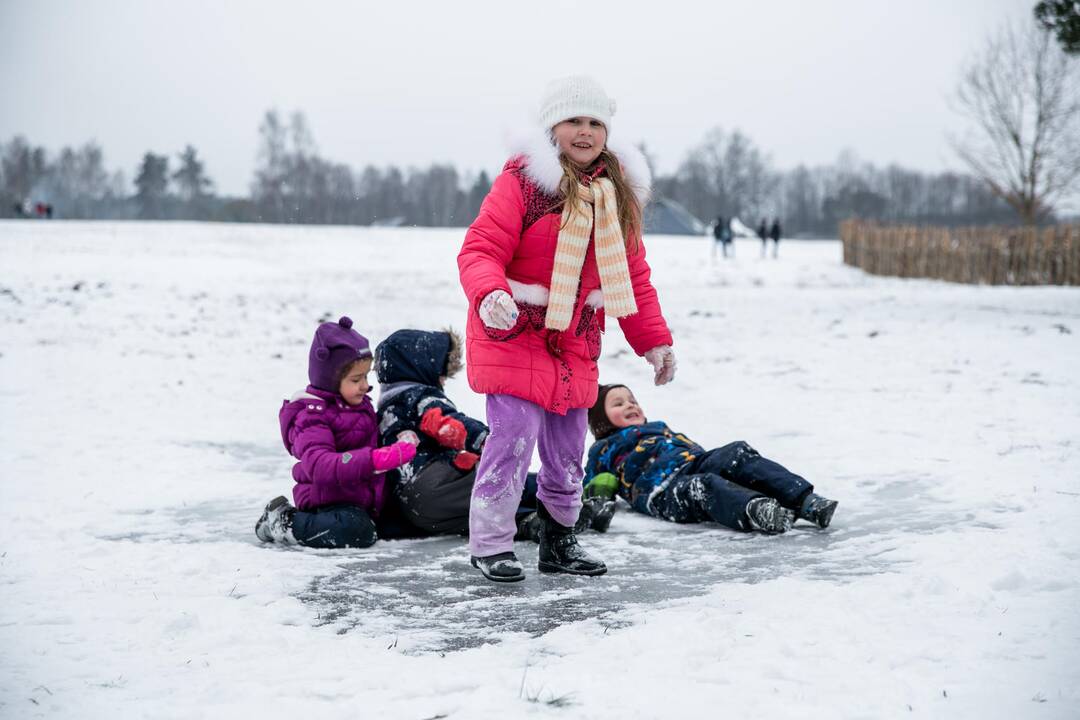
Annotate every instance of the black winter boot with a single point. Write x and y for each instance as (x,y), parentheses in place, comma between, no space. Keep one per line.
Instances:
(559,549)
(528,528)
(769,516)
(596,513)
(501,567)
(818,510)
(602,520)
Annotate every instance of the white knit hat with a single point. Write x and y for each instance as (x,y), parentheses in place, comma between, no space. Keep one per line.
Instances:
(575,96)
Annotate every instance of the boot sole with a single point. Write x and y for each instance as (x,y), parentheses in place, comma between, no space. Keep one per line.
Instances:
(497,578)
(546,567)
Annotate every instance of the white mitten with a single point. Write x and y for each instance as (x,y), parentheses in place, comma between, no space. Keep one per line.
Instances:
(662,358)
(498,310)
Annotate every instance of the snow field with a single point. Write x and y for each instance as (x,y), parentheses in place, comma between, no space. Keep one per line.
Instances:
(142,367)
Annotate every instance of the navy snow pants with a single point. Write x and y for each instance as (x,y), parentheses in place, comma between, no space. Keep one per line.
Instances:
(334,526)
(718,485)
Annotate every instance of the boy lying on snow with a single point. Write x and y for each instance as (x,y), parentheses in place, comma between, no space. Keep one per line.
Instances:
(667,475)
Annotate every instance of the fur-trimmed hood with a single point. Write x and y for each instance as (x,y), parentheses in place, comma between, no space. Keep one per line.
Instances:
(540,160)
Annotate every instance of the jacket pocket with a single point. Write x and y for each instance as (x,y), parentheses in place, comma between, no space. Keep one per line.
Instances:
(528,315)
(589,329)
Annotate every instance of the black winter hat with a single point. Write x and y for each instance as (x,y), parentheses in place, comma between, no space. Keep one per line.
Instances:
(419,356)
(599,425)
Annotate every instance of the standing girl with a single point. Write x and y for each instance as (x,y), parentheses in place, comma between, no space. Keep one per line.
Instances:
(556,246)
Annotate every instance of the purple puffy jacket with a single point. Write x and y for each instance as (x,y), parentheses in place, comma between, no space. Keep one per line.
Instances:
(333,442)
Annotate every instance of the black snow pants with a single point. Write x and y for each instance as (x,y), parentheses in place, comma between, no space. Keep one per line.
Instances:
(436,499)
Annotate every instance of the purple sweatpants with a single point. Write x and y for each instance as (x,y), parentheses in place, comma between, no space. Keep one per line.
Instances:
(516,425)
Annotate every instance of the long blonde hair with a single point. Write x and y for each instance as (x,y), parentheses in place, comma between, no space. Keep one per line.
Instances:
(629,207)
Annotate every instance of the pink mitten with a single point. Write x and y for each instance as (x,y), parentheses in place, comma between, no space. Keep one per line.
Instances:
(392,456)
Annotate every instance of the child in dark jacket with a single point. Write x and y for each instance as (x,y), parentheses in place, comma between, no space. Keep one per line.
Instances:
(666,474)
(433,491)
(330,429)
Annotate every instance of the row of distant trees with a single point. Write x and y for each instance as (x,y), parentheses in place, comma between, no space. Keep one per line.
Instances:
(292,184)
(1021,95)
(726,174)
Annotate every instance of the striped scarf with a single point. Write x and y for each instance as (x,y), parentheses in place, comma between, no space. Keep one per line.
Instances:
(596,213)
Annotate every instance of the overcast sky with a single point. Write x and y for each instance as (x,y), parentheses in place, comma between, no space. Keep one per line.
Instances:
(410,82)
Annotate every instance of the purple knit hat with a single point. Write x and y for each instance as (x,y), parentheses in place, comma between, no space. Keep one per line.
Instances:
(335,346)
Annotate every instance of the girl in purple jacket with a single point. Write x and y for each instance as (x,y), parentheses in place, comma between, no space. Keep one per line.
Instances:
(330,428)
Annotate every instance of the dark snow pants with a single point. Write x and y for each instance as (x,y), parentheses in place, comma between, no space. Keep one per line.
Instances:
(718,485)
(436,499)
(334,526)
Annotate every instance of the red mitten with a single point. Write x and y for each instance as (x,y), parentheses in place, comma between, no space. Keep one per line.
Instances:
(392,456)
(448,431)
(465,460)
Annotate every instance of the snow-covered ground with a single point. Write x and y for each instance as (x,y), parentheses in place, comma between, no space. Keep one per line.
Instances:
(142,367)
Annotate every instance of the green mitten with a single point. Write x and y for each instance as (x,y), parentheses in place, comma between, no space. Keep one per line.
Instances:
(603,485)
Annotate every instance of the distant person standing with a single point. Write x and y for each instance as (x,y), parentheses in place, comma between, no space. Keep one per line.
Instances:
(722,235)
(774,233)
(763,233)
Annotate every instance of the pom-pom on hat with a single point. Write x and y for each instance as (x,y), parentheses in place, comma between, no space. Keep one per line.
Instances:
(335,346)
(575,96)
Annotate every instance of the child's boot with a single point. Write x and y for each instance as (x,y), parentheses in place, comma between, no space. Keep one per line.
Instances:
(601,521)
(275,525)
(596,514)
(818,510)
(769,516)
(501,567)
(528,528)
(559,549)
(599,505)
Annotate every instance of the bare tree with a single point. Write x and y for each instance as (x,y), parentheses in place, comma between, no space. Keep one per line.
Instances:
(268,187)
(22,168)
(78,181)
(1022,95)
(800,199)
(725,174)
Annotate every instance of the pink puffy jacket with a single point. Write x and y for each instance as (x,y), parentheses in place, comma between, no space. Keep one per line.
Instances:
(511,247)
